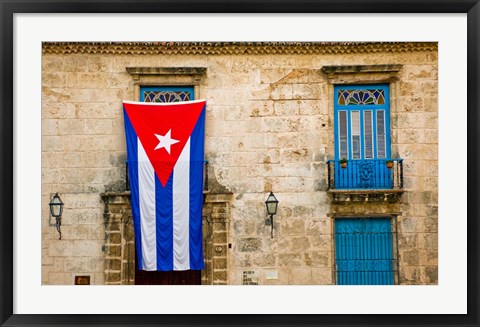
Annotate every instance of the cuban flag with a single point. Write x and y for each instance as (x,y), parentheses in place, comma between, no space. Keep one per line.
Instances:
(165,153)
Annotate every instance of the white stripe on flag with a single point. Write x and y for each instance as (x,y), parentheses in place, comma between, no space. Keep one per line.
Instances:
(181,210)
(146,191)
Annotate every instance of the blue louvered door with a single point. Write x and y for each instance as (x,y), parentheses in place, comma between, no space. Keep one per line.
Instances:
(362,136)
(364,251)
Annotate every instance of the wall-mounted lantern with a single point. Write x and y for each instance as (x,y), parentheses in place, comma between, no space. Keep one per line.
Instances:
(272,204)
(56,210)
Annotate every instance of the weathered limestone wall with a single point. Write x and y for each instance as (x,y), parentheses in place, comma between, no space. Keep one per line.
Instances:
(79,252)
(416,138)
(269,127)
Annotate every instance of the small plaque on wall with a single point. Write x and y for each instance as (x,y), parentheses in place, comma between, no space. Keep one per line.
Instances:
(249,277)
(82,280)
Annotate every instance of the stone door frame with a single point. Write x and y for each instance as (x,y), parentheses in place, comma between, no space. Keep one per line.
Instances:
(119,245)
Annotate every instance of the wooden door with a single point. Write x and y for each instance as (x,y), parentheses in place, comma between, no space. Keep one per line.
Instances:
(187,277)
(364,251)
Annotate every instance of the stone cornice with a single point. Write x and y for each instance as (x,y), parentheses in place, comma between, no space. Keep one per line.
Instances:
(233,48)
(332,70)
(166,70)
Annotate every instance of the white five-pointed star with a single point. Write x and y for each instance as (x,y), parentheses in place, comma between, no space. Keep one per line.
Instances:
(165,141)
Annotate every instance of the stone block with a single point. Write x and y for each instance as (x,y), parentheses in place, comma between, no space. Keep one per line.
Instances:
(55,95)
(261,108)
(306,92)
(289,259)
(303,211)
(52,63)
(82,200)
(428,258)
(57,110)
(60,278)
(77,264)
(317,259)
(275,75)
(430,275)
(102,110)
(283,277)
(52,143)
(431,104)
(292,227)
(244,158)
(75,248)
(409,258)
(317,226)
(299,244)
(99,126)
(312,107)
(286,107)
(219,263)
(113,238)
(322,276)
(281,92)
(321,242)
(50,127)
(408,241)
(97,264)
(301,276)
(220,237)
(244,227)
(97,278)
(410,275)
(113,264)
(407,225)
(83,232)
(264,260)
(236,114)
(428,241)
(86,80)
(413,72)
(71,126)
(112,277)
(220,276)
(249,245)
(299,155)
(430,224)
(119,80)
(82,216)
(114,226)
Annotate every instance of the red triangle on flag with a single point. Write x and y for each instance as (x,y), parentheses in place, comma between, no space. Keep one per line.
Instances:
(163,130)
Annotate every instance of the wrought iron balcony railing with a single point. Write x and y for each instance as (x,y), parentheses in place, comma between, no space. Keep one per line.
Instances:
(367,174)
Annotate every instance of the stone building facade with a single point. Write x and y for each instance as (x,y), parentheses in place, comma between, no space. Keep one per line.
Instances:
(274,123)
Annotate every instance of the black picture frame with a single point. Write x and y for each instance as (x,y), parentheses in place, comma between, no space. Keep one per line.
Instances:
(10,7)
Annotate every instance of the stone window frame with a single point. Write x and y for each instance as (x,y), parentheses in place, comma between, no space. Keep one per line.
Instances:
(363,74)
(166,76)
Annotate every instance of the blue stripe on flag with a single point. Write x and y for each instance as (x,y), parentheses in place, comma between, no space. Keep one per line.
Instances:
(164,209)
(132,157)
(196,192)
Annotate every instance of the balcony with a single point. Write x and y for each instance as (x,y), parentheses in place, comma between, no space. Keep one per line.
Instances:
(365,180)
